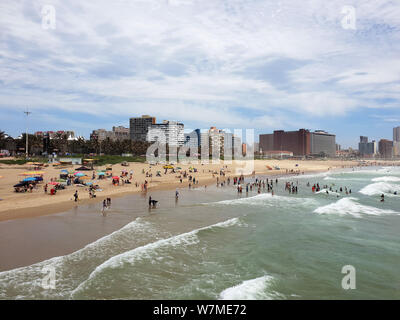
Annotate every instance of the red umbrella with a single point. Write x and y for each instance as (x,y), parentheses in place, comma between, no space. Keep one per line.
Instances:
(116,178)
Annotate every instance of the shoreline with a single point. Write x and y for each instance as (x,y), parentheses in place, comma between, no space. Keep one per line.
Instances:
(43,209)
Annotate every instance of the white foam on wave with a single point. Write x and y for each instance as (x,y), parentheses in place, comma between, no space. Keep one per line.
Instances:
(27,280)
(330,193)
(264,198)
(381,187)
(350,206)
(344,179)
(387,179)
(139,253)
(254,289)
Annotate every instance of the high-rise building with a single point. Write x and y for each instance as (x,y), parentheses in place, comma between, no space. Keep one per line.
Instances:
(396,134)
(322,143)
(366,148)
(301,142)
(193,140)
(167,132)
(396,142)
(386,148)
(117,133)
(121,133)
(139,127)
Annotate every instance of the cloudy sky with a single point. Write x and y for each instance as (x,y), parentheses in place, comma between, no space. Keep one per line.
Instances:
(262,64)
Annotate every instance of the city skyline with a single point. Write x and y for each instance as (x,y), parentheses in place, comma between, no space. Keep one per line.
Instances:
(238,64)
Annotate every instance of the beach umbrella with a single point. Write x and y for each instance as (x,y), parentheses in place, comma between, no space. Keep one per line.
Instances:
(79,174)
(84,178)
(101,174)
(29,179)
(115,178)
(61,180)
(64,171)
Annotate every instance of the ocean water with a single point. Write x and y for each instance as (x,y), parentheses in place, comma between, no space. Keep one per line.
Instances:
(216,244)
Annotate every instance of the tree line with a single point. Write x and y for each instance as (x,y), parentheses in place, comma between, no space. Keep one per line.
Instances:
(60,144)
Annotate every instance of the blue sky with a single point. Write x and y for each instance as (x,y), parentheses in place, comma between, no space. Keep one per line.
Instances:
(259,64)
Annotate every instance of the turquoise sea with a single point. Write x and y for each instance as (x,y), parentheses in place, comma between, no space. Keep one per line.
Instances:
(215,244)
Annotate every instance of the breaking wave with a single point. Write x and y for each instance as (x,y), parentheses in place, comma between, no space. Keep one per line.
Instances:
(381,187)
(26,282)
(265,199)
(254,289)
(387,179)
(146,251)
(350,206)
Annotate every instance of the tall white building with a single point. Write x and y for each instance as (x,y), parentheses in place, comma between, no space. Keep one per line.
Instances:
(167,132)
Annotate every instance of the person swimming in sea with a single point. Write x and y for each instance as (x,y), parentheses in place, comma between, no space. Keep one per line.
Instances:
(382,197)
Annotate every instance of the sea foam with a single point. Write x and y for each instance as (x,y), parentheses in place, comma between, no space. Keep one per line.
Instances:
(139,253)
(387,179)
(350,206)
(254,289)
(381,187)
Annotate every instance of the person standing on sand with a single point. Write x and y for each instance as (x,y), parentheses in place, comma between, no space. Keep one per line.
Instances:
(76,195)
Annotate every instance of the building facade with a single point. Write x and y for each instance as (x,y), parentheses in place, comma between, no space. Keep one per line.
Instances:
(386,148)
(139,127)
(70,135)
(117,133)
(396,134)
(322,143)
(167,132)
(366,148)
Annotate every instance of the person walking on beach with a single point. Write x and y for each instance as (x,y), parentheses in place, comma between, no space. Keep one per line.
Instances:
(76,195)
(176,194)
(104,205)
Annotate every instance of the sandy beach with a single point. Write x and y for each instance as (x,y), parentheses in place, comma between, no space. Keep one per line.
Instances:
(23,205)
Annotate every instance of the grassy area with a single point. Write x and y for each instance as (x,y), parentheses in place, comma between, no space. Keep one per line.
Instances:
(103,160)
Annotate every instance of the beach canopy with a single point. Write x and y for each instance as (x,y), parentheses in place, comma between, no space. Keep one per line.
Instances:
(83,168)
(32,173)
(79,174)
